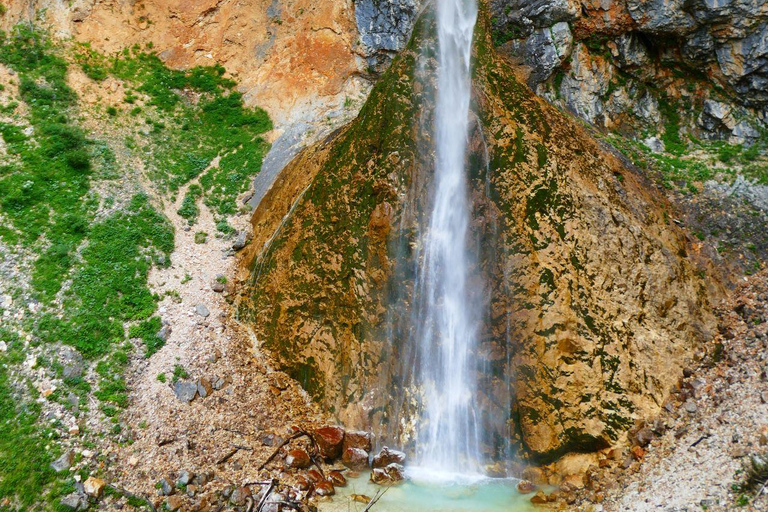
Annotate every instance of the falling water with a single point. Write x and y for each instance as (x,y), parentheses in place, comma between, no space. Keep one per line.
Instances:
(448,321)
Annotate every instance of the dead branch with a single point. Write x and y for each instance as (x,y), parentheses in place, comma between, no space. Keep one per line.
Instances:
(375,499)
(266,495)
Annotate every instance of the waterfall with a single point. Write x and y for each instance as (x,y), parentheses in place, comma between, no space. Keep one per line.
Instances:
(447,321)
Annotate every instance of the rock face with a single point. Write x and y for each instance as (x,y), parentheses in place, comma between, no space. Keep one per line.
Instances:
(384,27)
(594,301)
(623,50)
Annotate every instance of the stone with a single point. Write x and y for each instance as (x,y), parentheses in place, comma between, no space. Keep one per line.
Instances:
(219,283)
(64,462)
(298,458)
(94,486)
(337,478)
(240,241)
(384,27)
(185,390)
(525,487)
(71,362)
(539,498)
(202,311)
(644,436)
(637,452)
(329,440)
(690,406)
(74,501)
(3,346)
(315,476)
(165,332)
(185,477)
(174,503)
(386,457)
(355,458)
(324,488)
(391,474)
(204,387)
(545,50)
(219,383)
(655,144)
(239,496)
(661,17)
(164,487)
(303,483)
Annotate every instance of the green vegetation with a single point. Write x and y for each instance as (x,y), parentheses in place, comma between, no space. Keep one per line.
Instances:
(755,476)
(189,209)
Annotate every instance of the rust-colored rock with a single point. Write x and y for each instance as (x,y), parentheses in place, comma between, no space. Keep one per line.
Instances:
(386,457)
(539,498)
(315,476)
(358,439)
(355,458)
(324,488)
(337,478)
(392,474)
(174,503)
(329,441)
(525,487)
(298,458)
(638,452)
(303,483)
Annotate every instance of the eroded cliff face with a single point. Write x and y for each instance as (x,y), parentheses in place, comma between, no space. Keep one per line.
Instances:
(595,303)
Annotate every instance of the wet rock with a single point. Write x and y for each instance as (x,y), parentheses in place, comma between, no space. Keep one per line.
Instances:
(355,458)
(94,486)
(386,457)
(329,440)
(303,483)
(337,478)
(525,487)
(390,474)
(64,462)
(325,488)
(539,498)
(202,311)
(358,439)
(204,387)
(186,391)
(74,501)
(315,476)
(298,458)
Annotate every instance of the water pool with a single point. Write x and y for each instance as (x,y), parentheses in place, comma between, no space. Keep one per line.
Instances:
(431,491)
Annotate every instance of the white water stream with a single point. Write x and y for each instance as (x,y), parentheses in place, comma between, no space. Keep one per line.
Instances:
(447,321)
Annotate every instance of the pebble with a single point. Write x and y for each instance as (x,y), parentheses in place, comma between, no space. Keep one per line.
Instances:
(690,406)
(202,311)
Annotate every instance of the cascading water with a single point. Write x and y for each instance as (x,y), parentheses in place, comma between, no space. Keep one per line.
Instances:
(447,321)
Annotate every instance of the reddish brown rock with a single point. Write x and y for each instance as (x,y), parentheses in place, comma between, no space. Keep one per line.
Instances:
(303,483)
(174,502)
(358,439)
(337,478)
(298,458)
(329,441)
(525,487)
(389,475)
(539,498)
(325,488)
(315,476)
(638,452)
(386,457)
(355,458)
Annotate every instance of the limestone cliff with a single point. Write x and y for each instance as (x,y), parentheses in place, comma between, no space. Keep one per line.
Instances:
(596,302)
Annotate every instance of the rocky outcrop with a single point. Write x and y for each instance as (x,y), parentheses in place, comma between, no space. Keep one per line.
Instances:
(683,52)
(384,28)
(595,302)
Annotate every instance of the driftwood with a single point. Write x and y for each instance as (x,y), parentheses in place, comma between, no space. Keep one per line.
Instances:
(375,499)
(134,496)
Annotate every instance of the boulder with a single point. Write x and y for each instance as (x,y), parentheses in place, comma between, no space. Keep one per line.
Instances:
(525,487)
(174,503)
(355,458)
(165,332)
(358,439)
(298,458)
(329,441)
(164,487)
(539,498)
(315,476)
(391,474)
(94,486)
(386,457)
(185,477)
